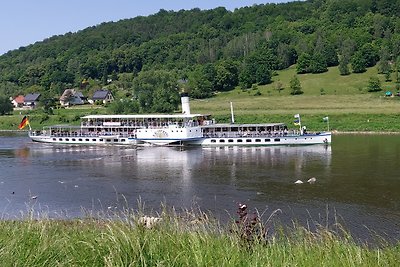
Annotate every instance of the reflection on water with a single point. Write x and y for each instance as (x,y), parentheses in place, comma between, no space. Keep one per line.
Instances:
(353,180)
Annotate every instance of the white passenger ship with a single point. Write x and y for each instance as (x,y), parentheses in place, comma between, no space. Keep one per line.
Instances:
(174,129)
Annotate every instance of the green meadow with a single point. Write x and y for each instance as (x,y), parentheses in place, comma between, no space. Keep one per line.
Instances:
(344,99)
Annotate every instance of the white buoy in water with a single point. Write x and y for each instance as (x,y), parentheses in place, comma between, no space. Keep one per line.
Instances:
(312,180)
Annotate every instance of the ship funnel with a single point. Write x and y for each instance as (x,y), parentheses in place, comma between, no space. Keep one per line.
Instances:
(185,103)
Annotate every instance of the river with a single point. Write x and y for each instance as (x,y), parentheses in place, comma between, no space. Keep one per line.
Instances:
(357,181)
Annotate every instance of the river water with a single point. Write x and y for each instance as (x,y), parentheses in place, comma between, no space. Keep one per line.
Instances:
(357,180)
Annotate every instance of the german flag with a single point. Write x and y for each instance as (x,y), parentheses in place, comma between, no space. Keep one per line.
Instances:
(23,123)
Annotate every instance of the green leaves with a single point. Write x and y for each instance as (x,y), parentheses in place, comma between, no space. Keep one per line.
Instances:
(156,91)
(374,84)
(295,86)
(5,105)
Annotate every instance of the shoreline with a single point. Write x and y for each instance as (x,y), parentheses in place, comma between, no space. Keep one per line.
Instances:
(365,132)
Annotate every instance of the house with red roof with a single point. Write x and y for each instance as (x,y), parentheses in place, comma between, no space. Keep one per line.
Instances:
(18,101)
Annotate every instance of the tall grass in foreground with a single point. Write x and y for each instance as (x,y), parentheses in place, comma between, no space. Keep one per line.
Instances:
(177,240)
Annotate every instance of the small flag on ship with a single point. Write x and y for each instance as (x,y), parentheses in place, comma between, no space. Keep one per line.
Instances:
(326,119)
(23,123)
(297,120)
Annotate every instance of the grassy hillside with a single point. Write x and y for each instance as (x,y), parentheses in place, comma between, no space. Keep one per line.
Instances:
(345,100)
(340,94)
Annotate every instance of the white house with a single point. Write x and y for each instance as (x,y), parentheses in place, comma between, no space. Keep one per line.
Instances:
(18,102)
(105,96)
(31,100)
(71,97)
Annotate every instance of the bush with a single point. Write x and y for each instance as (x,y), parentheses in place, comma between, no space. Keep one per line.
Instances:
(44,118)
(5,106)
(374,84)
(295,86)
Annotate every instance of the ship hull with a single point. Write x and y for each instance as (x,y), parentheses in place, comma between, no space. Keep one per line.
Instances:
(308,139)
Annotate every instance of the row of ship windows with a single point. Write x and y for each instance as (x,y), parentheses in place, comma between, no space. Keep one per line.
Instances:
(172,131)
(212,140)
(247,140)
(88,140)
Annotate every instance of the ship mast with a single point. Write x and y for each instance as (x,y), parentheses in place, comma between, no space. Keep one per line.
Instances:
(232,117)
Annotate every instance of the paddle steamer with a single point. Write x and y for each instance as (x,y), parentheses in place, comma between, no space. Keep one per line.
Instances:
(184,129)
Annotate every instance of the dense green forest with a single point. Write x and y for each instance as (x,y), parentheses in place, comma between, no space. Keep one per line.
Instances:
(148,59)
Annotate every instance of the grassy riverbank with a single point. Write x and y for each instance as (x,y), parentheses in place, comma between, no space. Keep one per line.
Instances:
(344,99)
(177,241)
(374,120)
(366,112)
(38,118)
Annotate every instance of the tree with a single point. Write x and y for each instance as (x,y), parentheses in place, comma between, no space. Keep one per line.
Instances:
(123,106)
(396,72)
(344,65)
(358,62)
(6,106)
(227,76)
(48,104)
(279,86)
(367,56)
(258,68)
(397,68)
(263,75)
(318,64)
(330,54)
(303,63)
(286,56)
(326,50)
(156,91)
(383,64)
(374,84)
(200,82)
(264,61)
(295,86)
(246,79)
(200,88)
(370,54)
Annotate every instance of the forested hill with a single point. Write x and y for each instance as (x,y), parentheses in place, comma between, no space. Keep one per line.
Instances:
(214,50)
